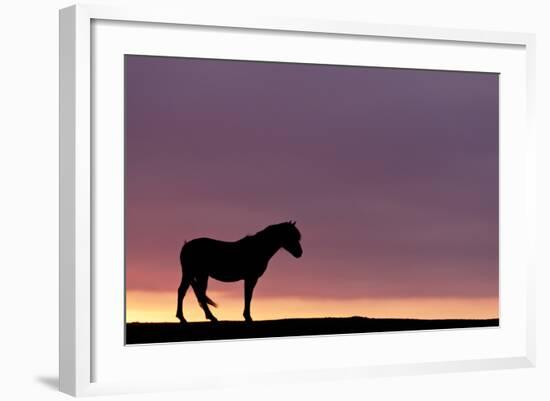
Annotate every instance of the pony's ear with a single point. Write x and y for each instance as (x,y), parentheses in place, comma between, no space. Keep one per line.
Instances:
(293,223)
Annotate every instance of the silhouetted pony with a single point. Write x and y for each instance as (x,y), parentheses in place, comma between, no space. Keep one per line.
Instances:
(245,259)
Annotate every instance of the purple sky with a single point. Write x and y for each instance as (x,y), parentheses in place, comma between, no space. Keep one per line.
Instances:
(391,174)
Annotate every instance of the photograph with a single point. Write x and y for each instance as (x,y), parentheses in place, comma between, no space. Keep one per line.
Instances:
(271,199)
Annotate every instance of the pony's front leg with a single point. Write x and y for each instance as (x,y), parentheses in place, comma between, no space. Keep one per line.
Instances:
(249,284)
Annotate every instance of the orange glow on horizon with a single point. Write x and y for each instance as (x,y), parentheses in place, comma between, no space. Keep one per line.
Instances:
(145,306)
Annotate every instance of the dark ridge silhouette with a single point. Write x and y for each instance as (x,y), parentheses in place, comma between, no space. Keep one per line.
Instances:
(149,333)
(245,259)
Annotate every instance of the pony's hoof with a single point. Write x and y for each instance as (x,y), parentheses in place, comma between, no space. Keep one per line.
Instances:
(182,320)
(248,319)
(212,319)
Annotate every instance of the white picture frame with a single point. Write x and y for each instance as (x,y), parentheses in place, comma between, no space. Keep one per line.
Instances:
(80,342)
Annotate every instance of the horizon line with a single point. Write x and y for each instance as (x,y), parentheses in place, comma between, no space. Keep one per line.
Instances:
(313,318)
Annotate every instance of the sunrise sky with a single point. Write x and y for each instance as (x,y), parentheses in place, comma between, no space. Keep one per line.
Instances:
(391,175)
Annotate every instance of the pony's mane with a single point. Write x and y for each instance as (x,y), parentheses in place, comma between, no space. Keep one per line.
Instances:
(274,230)
(280,228)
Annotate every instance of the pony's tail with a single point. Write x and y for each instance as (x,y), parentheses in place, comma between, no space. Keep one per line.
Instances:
(209,301)
(202,297)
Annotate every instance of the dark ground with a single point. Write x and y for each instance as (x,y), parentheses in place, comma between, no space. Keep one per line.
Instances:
(146,333)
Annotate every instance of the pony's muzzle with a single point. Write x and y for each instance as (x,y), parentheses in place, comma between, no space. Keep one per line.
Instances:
(297,252)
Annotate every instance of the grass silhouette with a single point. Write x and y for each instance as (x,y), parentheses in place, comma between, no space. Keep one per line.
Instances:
(149,333)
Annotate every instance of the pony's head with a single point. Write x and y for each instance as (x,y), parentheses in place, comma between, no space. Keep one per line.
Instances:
(290,238)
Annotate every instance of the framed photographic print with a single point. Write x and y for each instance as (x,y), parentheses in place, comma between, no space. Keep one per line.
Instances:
(248,189)
(391,174)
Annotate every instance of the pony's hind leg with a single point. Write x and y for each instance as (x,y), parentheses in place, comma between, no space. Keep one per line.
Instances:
(199,286)
(184,285)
